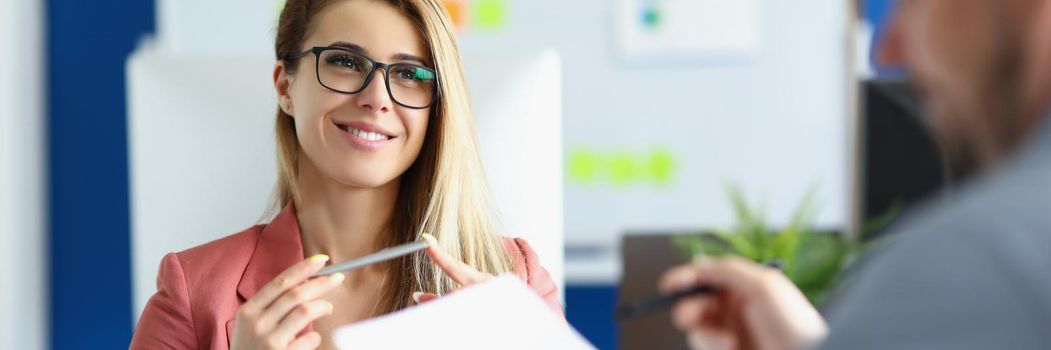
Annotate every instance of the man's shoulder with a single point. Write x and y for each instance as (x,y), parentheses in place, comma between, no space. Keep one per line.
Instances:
(974,261)
(1009,207)
(1001,220)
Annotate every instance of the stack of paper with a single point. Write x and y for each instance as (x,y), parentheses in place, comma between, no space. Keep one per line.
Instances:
(503,313)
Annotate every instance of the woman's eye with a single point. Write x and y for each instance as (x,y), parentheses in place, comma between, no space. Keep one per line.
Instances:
(413,74)
(345,62)
(403,74)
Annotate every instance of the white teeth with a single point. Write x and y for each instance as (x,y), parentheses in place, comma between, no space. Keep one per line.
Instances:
(371,136)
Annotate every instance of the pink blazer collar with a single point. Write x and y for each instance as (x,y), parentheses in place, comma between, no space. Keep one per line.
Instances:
(279,246)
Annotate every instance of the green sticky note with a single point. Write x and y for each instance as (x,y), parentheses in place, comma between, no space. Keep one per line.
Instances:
(588,166)
(583,165)
(661,166)
(491,14)
(623,168)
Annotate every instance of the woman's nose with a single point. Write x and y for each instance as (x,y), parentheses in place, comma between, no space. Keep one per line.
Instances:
(374,97)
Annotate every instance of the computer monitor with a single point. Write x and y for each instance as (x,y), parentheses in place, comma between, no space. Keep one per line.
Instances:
(901,162)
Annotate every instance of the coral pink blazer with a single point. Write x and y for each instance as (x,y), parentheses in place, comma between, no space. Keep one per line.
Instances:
(200,289)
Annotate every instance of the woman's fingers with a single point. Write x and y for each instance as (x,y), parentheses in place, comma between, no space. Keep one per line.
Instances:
(421,297)
(284,281)
(297,319)
(284,306)
(303,293)
(307,341)
(253,320)
(456,269)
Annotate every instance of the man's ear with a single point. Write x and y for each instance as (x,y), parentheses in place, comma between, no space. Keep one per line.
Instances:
(1038,87)
(282,82)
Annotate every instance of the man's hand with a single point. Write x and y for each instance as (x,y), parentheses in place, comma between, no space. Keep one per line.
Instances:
(757,307)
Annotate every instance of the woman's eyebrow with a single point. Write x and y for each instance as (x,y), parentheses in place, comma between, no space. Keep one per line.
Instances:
(409,57)
(359,48)
(349,46)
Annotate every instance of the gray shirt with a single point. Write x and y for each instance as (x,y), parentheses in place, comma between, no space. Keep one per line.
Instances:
(971,270)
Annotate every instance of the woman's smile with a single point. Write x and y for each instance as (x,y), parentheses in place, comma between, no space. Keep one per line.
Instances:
(364,136)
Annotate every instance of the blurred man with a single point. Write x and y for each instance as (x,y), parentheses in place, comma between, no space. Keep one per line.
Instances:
(969,271)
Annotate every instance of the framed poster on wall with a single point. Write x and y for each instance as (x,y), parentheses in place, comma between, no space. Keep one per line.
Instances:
(687,29)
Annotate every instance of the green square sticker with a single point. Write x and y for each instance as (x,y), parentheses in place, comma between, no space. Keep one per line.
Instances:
(491,14)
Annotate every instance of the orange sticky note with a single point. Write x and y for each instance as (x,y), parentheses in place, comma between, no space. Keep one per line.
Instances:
(458,12)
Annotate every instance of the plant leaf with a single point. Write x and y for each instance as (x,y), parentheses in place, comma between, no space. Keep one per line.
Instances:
(750,233)
(741,245)
(691,246)
(688,245)
(821,261)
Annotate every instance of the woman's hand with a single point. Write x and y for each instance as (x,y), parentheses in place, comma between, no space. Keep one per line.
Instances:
(277,313)
(460,272)
(757,307)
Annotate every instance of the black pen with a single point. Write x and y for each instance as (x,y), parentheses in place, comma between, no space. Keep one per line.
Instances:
(635,310)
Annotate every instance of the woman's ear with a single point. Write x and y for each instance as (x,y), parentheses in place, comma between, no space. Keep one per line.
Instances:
(282,82)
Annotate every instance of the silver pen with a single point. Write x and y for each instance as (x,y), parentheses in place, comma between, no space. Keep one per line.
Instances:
(380,256)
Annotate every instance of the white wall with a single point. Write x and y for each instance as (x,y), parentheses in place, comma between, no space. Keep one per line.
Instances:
(23,272)
(776,122)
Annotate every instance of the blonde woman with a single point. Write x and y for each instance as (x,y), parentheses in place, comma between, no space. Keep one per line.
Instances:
(376,146)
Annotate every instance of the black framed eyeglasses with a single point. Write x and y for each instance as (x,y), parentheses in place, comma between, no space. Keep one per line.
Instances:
(348,72)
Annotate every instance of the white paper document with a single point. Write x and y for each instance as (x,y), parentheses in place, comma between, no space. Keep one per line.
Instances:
(503,313)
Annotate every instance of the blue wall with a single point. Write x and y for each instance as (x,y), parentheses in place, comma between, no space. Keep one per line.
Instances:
(87,44)
(591,309)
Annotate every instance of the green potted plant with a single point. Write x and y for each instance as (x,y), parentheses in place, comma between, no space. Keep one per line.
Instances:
(812,259)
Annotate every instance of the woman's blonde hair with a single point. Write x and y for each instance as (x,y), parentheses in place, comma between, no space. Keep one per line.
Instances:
(444,191)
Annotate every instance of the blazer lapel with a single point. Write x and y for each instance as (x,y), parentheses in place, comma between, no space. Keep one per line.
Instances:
(279,246)
(230,332)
